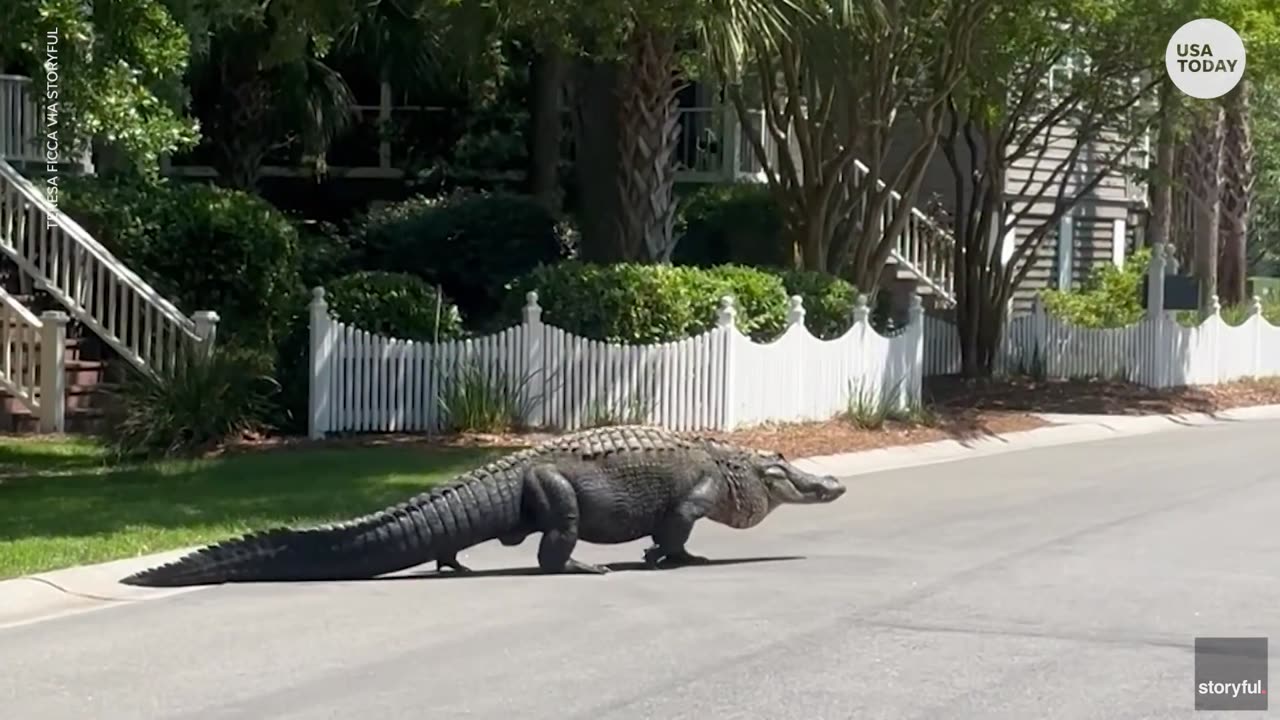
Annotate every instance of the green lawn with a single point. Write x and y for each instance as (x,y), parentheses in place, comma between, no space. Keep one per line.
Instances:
(63,504)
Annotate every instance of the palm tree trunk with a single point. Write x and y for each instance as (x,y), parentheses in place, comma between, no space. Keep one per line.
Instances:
(545,127)
(1205,179)
(595,142)
(649,131)
(1162,177)
(1237,188)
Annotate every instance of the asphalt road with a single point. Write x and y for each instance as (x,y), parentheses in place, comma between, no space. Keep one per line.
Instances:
(1064,582)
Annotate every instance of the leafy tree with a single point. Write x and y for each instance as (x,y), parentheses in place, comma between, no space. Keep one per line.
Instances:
(1064,86)
(110,69)
(841,83)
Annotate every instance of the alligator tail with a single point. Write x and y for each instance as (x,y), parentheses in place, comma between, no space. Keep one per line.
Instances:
(427,527)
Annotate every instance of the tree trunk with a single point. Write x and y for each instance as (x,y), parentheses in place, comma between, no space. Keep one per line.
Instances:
(649,130)
(1206,183)
(545,123)
(1163,176)
(595,131)
(1237,189)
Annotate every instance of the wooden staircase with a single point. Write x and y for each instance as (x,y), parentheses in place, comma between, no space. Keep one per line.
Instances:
(87,373)
(73,317)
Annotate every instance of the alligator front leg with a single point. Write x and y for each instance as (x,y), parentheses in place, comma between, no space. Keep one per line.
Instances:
(555,509)
(668,549)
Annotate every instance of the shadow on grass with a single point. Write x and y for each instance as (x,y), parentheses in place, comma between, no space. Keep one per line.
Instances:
(66,500)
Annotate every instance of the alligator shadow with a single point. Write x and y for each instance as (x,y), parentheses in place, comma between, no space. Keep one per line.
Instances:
(533,571)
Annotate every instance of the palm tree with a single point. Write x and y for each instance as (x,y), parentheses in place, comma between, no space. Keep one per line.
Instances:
(648,121)
(1237,191)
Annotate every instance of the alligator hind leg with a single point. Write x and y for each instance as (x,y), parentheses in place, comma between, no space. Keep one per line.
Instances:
(555,509)
(451,561)
(669,540)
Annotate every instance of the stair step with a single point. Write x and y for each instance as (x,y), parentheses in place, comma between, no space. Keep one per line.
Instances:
(87,421)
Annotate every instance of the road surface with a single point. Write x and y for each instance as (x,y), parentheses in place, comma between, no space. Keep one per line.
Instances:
(1065,582)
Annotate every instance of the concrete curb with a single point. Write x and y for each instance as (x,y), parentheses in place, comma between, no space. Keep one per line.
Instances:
(1065,430)
(80,589)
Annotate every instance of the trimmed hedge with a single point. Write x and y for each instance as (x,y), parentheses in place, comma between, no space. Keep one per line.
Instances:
(637,304)
(471,244)
(828,301)
(397,305)
(202,246)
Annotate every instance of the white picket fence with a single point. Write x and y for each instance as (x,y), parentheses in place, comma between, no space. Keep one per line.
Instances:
(721,379)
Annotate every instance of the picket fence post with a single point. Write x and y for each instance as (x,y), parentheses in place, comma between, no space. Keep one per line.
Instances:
(1215,338)
(726,321)
(534,342)
(322,339)
(915,325)
(53,371)
(1255,311)
(1156,357)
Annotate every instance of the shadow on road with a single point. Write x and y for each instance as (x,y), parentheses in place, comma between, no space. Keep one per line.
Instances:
(533,571)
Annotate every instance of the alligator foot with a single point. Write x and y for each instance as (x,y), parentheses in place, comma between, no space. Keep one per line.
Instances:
(452,563)
(655,557)
(579,567)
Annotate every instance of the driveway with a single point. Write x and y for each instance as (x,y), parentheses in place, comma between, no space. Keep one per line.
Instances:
(1064,582)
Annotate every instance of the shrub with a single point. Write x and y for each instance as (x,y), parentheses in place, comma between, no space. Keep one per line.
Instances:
(471,244)
(201,246)
(475,399)
(635,303)
(204,401)
(393,304)
(738,223)
(1111,296)
(828,301)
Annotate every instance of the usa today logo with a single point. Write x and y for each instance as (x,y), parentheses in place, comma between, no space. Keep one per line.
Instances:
(1205,58)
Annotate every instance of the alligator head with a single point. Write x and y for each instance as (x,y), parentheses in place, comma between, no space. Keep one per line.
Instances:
(758,482)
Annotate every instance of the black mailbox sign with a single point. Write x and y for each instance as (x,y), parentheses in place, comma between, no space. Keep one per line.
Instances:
(1181,292)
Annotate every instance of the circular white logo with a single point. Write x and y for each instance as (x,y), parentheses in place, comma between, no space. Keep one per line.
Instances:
(1205,58)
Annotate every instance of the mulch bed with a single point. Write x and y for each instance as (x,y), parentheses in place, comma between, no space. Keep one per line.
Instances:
(958,409)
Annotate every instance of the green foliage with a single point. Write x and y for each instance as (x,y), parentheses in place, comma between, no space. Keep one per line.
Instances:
(204,401)
(396,305)
(201,246)
(736,223)
(828,301)
(636,303)
(1111,296)
(471,244)
(475,398)
(116,71)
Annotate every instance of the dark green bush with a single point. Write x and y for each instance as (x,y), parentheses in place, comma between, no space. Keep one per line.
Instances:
(397,305)
(634,303)
(471,244)
(200,246)
(739,223)
(203,402)
(828,301)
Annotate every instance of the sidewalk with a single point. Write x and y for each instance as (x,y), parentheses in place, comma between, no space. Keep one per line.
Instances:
(81,589)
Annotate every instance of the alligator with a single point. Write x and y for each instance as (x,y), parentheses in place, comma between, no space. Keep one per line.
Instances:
(607,485)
